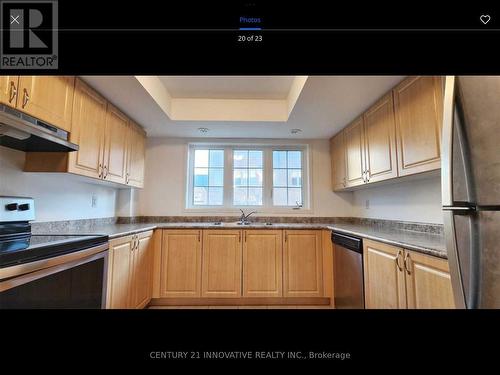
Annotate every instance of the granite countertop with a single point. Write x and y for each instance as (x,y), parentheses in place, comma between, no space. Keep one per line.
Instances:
(427,243)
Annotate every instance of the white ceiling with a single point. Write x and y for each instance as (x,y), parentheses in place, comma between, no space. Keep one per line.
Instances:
(228,87)
(325,105)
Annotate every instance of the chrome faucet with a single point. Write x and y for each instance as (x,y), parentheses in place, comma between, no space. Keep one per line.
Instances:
(244,218)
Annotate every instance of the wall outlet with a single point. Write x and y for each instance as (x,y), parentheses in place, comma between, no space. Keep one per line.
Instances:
(367,204)
(94,201)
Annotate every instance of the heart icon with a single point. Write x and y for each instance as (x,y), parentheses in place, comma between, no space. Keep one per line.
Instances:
(485,18)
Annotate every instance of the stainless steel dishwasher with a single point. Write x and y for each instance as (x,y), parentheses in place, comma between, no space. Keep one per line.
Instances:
(348,275)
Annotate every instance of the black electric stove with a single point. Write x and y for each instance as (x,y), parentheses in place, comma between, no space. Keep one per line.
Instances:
(18,245)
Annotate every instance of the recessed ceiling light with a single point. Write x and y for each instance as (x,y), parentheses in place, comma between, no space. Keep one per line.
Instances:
(296,131)
(203,130)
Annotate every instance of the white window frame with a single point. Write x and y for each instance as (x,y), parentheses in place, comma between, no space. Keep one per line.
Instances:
(267,200)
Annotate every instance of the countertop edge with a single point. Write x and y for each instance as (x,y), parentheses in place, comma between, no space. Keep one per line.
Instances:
(424,250)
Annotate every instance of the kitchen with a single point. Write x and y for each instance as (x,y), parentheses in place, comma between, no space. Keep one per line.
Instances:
(248,192)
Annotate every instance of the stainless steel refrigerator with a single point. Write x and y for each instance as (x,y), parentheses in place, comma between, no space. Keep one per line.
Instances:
(471,188)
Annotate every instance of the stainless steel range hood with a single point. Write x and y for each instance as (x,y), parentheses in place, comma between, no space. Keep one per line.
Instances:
(26,133)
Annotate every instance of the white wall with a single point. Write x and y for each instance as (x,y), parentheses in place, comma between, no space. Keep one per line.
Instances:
(165,179)
(415,200)
(57,196)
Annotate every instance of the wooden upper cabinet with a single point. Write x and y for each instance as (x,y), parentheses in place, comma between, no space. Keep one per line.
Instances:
(354,153)
(136,156)
(9,90)
(302,263)
(87,131)
(142,278)
(262,263)
(180,271)
(418,104)
(115,145)
(380,141)
(428,282)
(337,152)
(384,276)
(221,265)
(120,273)
(48,98)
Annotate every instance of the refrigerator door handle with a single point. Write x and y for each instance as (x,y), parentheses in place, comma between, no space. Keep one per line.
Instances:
(459,209)
(447,142)
(453,260)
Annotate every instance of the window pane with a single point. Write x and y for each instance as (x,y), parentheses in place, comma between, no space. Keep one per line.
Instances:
(201,177)
(294,195)
(200,196)
(254,196)
(240,196)
(240,158)
(215,195)
(255,177)
(255,159)
(240,177)
(294,159)
(201,158)
(279,177)
(295,177)
(216,158)
(279,159)
(216,177)
(279,196)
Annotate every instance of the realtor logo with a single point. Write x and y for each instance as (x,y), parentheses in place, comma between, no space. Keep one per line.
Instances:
(28,37)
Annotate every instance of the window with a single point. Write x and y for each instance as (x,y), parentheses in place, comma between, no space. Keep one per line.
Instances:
(287,178)
(248,170)
(208,178)
(265,177)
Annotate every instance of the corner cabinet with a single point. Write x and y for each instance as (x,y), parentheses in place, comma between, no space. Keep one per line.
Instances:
(419,105)
(111,146)
(399,278)
(130,271)
(337,152)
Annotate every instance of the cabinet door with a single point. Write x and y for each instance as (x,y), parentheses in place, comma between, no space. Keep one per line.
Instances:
(337,153)
(221,264)
(115,145)
(354,153)
(418,104)
(384,276)
(262,263)
(428,283)
(48,98)
(181,263)
(302,263)
(142,281)
(119,273)
(87,131)
(9,90)
(380,141)
(136,156)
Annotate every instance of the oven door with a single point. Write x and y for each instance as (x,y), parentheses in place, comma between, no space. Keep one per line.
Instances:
(76,280)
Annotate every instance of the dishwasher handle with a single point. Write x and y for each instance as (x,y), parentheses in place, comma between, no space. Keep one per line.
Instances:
(348,242)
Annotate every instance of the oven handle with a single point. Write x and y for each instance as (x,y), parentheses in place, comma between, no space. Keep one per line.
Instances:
(21,269)
(32,276)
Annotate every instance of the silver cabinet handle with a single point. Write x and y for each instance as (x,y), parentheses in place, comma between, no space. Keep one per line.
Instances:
(99,170)
(367,175)
(407,263)
(127,179)
(12,91)
(364,176)
(26,98)
(105,173)
(398,256)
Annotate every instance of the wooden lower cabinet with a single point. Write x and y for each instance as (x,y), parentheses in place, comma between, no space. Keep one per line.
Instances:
(130,271)
(222,263)
(181,263)
(302,263)
(428,283)
(262,263)
(384,279)
(399,278)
